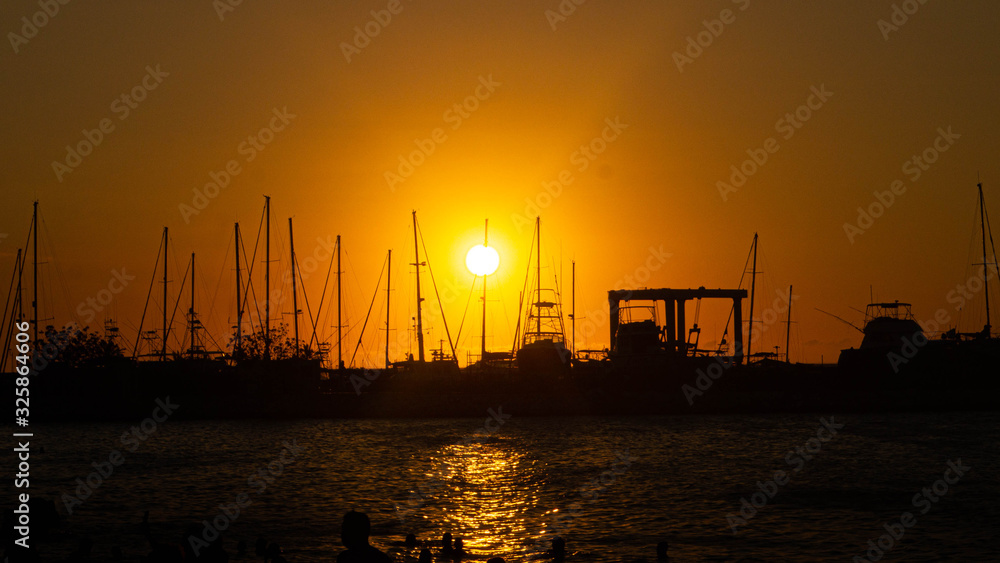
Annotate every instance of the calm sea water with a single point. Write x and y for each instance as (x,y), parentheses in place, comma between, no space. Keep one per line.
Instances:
(612,487)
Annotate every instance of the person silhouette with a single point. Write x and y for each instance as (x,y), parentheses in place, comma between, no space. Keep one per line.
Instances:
(410,541)
(459,553)
(661,551)
(273,554)
(558,551)
(425,556)
(354,533)
(446,548)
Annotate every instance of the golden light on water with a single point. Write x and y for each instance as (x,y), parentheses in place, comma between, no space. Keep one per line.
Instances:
(482,260)
(489,493)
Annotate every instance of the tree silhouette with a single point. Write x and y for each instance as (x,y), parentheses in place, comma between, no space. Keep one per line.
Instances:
(282,346)
(75,347)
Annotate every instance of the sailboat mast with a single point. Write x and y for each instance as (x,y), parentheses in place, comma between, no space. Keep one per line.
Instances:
(340,357)
(538,274)
(19,264)
(295,301)
(753,287)
(486,240)
(192,306)
(239,300)
(572,311)
(34,265)
(986,288)
(388,285)
(420,324)
(788,326)
(267,278)
(163,353)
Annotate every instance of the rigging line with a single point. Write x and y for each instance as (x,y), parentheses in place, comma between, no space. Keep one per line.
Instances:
(437,295)
(458,337)
(253,262)
(520,306)
(9,305)
(374,296)
(305,296)
(10,293)
(503,305)
(176,305)
(357,282)
(218,284)
(322,295)
(725,330)
(248,288)
(209,316)
(142,319)
(989,230)
(55,265)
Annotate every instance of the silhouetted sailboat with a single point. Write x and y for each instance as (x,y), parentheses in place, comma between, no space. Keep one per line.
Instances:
(543,339)
(442,361)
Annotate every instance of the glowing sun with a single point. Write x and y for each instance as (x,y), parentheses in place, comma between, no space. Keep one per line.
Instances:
(482,260)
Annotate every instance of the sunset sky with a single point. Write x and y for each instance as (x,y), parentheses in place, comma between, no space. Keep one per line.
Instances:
(617,122)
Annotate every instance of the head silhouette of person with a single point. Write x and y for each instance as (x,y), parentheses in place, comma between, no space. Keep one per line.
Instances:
(559,544)
(446,541)
(661,551)
(273,552)
(411,540)
(558,548)
(355,530)
(425,556)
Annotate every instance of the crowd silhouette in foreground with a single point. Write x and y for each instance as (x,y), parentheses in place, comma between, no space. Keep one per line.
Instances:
(355,531)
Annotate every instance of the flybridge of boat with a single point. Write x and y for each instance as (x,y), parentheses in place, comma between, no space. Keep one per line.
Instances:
(893,310)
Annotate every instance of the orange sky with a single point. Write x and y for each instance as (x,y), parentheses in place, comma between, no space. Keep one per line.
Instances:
(353,105)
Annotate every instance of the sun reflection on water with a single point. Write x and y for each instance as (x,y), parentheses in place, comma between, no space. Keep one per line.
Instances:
(489,490)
